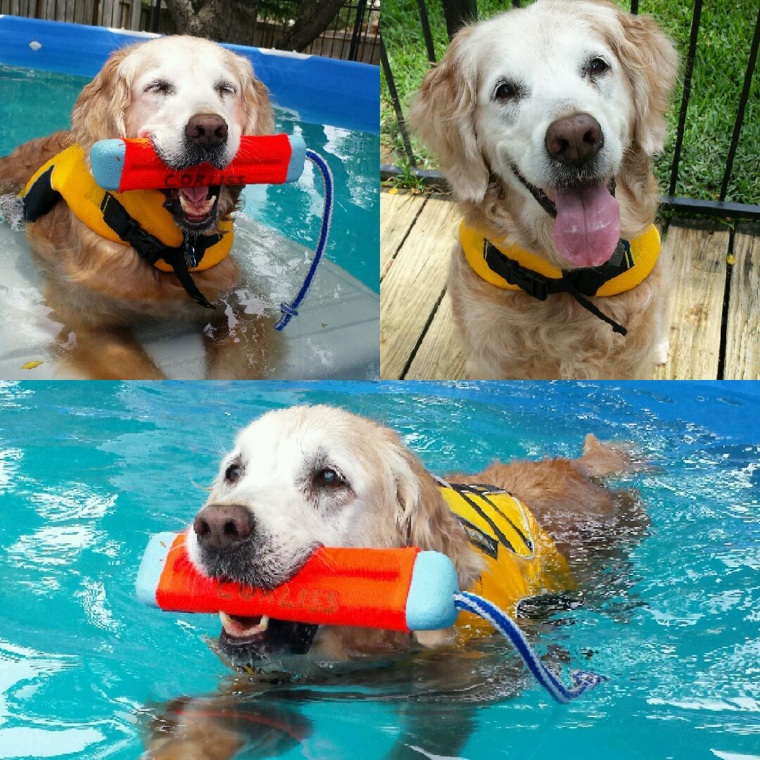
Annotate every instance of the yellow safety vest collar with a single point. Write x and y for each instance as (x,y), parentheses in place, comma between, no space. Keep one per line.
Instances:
(520,559)
(135,218)
(513,268)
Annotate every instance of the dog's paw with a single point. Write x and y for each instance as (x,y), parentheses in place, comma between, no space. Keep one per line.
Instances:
(435,639)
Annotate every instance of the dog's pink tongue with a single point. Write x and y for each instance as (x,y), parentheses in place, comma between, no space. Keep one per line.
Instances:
(587,228)
(195,194)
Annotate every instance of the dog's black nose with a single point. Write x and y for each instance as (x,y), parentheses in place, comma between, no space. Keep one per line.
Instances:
(206,129)
(223,527)
(575,139)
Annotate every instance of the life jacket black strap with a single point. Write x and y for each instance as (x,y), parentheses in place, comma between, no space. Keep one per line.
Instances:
(577,283)
(589,306)
(40,198)
(150,248)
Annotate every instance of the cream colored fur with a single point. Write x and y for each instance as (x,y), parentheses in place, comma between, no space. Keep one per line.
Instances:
(99,289)
(388,499)
(509,334)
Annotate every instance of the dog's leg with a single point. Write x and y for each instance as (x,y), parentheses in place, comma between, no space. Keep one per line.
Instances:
(105,353)
(431,729)
(217,727)
(242,346)
(184,733)
(478,369)
(603,460)
(18,167)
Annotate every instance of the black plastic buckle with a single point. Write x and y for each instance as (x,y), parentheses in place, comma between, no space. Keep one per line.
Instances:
(188,251)
(148,246)
(532,283)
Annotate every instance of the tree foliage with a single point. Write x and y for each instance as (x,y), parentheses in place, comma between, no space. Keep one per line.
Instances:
(233,20)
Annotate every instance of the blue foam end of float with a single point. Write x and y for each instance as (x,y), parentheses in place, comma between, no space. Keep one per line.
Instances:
(430,602)
(107,160)
(297,158)
(151,567)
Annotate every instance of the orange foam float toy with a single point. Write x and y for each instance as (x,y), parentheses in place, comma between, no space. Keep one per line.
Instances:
(395,589)
(133,164)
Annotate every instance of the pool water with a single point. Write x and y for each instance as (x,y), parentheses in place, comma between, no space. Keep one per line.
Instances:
(89,470)
(37,103)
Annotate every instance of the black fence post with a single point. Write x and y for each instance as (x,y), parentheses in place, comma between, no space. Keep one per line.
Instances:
(396,104)
(458,13)
(353,51)
(693,36)
(426,33)
(155,16)
(743,100)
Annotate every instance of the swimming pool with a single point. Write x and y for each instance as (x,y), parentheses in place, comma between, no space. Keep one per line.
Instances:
(37,103)
(87,471)
(332,104)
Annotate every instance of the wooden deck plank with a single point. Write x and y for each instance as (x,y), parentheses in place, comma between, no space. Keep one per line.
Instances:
(440,355)
(397,215)
(413,285)
(699,272)
(421,243)
(742,361)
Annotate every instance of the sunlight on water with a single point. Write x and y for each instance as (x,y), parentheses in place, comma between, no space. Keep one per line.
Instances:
(89,471)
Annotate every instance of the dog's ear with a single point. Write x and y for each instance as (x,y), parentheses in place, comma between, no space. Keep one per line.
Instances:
(424,520)
(651,64)
(443,114)
(257,109)
(100,109)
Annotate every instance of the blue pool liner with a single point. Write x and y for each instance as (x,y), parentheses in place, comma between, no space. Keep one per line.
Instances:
(321,90)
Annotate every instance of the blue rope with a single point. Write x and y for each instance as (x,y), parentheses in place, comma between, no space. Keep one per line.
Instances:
(291,310)
(581,680)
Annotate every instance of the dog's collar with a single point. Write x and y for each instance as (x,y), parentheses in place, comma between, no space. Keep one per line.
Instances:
(514,268)
(136,218)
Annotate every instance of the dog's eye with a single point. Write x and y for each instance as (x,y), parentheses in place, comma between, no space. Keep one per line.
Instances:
(226,88)
(505,91)
(160,87)
(597,66)
(328,478)
(233,472)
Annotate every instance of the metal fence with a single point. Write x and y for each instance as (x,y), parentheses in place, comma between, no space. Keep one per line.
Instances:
(353,35)
(458,12)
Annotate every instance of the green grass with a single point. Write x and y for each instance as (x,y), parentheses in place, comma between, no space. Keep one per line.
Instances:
(723,49)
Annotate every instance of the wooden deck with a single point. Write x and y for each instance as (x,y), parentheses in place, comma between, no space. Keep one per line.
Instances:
(715,331)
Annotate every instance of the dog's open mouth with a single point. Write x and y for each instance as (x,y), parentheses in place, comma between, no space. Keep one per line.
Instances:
(194,208)
(586,227)
(247,640)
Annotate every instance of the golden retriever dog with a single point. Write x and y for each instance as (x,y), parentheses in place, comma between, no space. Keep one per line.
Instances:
(544,120)
(318,475)
(194,100)
(303,476)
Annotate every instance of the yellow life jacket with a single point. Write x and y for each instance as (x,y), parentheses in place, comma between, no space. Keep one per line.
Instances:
(520,559)
(513,268)
(135,218)
(644,252)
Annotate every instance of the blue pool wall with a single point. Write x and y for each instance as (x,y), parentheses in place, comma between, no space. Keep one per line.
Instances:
(321,90)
